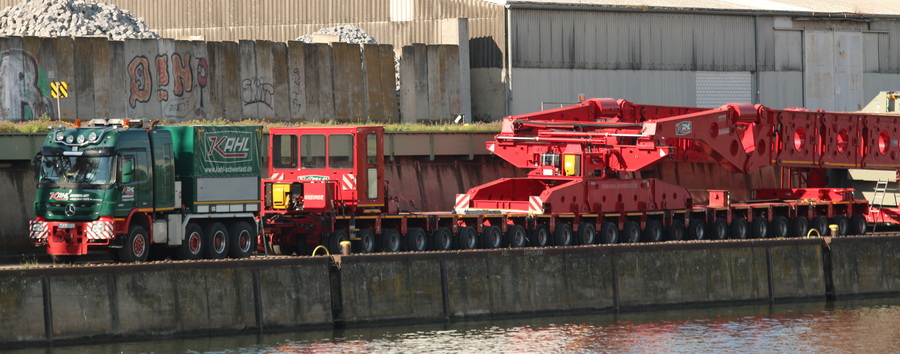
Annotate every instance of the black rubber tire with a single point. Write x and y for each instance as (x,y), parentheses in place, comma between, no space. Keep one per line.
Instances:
(653,232)
(739,228)
(466,238)
(717,230)
(820,223)
(609,233)
(442,239)
(216,241)
(563,235)
(67,259)
(540,236)
(243,239)
(416,239)
(491,237)
(779,227)
(799,227)
(516,237)
(137,245)
(586,234)
(334,241)
(759,227)
(843,224)
(366,242)
(696,229)
(390,240)
(192,244)
(285,250)
(676,231)
(858,224)
(631,232)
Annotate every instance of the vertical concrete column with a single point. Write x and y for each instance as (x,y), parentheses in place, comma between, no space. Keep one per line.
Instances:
(118,82)
(281,81)
(297,80)
(247,59)
(389,76)
(101,74)
(456,31)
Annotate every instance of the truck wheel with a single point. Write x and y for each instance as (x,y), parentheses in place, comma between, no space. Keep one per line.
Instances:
(243,240)
(216,240)
(799,227)
(515,236)
(540,236)
(416,240)
(609,233)
(562,236)
(191,247)
(779,227)
(858,224)
(653,232)
(467,238)
(820,223)
(696,229)
(442,239)
(739,228)
(759,227)
(586,234)
(366,243)
(718,230)
(631,232)
(675,232)
(334,240)
(390,240)
(136,247)
(491,237)
(843,224)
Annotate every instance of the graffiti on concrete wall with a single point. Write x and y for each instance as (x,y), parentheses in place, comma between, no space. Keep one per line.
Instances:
(176,81)
(24,87)
(297,89)
(257,91)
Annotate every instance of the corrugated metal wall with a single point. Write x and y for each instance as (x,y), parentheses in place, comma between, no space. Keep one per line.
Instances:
(631,41)
(281,21)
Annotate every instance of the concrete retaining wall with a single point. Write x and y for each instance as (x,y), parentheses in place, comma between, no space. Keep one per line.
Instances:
(184,80)
(98,303)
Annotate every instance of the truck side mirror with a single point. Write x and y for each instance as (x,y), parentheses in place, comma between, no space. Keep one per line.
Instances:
(127,171)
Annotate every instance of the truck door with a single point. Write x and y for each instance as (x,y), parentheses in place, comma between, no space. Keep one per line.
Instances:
(371,169)
(134,176)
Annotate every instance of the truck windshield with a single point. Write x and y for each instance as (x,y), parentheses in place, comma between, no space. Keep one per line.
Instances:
(76,169)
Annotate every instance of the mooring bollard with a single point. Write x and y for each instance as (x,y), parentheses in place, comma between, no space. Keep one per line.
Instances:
(345,248)
(834,230)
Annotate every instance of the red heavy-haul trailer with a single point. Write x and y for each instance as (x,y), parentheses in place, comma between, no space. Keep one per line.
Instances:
(326,184)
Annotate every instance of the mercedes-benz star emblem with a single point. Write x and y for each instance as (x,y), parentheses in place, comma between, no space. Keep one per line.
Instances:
(70,209)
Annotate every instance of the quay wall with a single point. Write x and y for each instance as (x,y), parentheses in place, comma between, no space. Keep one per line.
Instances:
(69,304)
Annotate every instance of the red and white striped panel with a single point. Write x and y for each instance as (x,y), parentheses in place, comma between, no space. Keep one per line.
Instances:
(348,182)
(462,201)
(40,232)
(535,205)
(103,232)
(277,176)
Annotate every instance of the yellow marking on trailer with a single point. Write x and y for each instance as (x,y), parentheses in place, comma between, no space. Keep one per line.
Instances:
(881,165)
(165,209)
(840,164)
(370,205)
(796,162)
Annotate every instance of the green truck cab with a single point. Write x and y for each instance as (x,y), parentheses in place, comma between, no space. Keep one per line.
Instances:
(133,187)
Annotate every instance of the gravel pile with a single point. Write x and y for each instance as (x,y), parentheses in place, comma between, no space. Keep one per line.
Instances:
(52,18)
(347,33)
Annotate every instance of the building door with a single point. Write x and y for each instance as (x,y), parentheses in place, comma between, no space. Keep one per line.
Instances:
(833,70)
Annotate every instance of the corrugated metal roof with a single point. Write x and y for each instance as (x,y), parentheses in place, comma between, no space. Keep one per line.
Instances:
(868,7)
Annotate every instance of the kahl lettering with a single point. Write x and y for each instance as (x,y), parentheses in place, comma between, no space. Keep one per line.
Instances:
(229,147)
